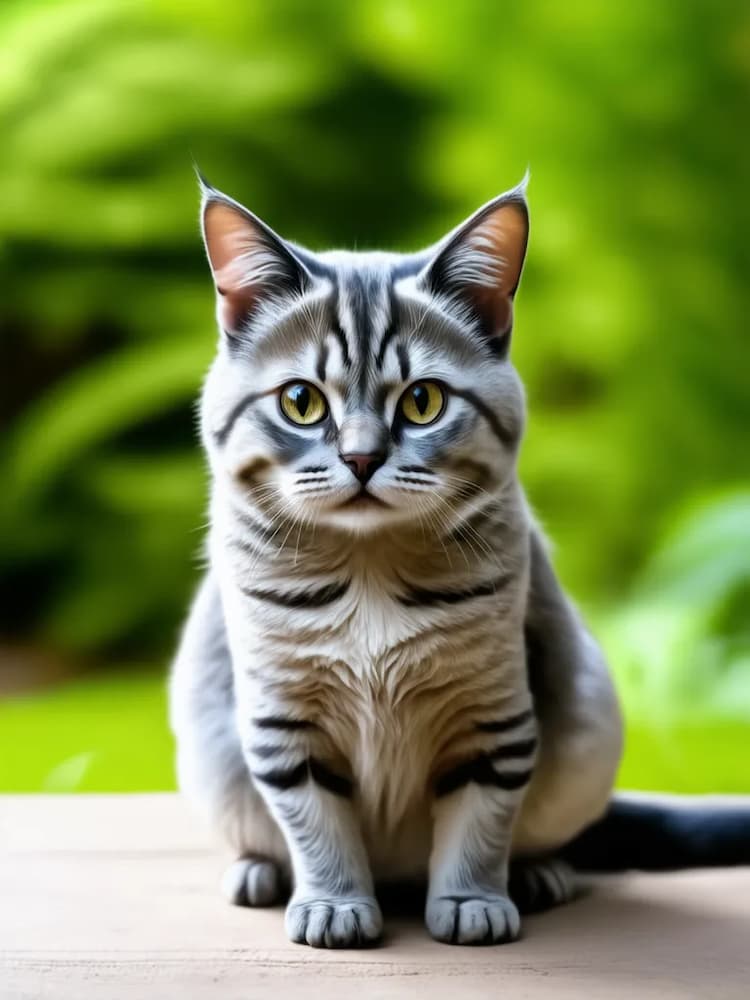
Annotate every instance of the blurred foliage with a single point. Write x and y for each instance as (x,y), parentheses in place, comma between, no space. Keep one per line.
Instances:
(80,737)
(383,122)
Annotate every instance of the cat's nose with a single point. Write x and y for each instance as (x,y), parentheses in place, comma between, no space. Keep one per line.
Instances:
(364,466)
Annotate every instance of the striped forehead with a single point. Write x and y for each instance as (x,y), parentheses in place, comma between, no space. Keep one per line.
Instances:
(365,323)
(364,309)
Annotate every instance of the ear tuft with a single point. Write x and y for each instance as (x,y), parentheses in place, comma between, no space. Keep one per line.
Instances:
(480,262)
(249,262)
(204,184)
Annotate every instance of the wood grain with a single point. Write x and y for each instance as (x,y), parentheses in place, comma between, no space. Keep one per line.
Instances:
(116,896)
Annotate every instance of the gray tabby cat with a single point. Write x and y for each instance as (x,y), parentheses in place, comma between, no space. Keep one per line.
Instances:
(380,677)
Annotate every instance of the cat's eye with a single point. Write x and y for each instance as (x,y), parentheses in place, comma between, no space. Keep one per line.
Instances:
(422,403)
(302,403)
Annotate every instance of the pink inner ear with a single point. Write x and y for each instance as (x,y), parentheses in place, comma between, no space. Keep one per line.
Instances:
(229,238)
(231,242)
(496,309)
(502,236)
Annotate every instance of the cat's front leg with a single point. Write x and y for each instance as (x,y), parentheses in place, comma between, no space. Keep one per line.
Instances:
(333,904)
(476,802)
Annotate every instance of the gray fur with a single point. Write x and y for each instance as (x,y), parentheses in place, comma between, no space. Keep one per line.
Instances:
(411,689)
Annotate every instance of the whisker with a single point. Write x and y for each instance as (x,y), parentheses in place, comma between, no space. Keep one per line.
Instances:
(463,532)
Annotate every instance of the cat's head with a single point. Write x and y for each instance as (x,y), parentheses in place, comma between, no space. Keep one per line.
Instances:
(362,390)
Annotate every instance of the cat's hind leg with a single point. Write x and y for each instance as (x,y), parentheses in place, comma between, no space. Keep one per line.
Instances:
(537,885)
(253,881)
(211,770)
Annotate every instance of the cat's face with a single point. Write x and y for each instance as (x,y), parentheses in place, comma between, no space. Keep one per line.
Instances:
(364,390)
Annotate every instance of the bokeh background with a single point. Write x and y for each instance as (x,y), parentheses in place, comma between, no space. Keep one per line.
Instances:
(373,123)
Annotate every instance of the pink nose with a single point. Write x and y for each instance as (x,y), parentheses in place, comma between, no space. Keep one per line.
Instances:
(364,466)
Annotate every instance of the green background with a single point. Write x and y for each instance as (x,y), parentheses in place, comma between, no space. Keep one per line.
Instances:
(373,124)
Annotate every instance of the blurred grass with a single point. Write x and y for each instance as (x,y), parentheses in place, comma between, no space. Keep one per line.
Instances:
(702,756)
(376,123)
(109,733)
(105,732)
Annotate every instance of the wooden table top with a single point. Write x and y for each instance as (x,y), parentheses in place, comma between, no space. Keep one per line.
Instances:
(109,896)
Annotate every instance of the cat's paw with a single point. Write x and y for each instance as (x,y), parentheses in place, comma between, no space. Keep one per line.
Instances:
(472,919)
(334,921)
(252,882)
(540,885)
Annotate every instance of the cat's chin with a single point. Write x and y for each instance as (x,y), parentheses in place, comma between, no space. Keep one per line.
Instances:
(359,521)
(363,515)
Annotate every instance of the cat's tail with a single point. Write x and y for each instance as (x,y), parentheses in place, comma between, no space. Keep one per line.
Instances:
(653,834)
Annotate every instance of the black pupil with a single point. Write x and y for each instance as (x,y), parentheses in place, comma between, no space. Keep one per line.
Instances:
(300,396)
(421,398)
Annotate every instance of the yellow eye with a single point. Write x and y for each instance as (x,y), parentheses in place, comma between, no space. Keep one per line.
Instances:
(423,402)
(302,403)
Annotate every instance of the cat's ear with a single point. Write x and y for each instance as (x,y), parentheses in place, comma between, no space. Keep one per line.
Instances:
(479,264)
(249,262)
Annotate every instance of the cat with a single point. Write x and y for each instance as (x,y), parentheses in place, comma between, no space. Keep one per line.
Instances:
(380,677)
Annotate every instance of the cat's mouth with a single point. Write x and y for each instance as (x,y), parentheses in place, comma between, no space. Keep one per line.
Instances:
(363,500)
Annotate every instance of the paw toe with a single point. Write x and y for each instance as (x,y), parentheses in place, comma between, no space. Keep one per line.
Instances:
(470,919)
(252,882)
(337,922)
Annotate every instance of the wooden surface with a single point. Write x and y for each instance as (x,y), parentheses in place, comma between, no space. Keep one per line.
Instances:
(116,896)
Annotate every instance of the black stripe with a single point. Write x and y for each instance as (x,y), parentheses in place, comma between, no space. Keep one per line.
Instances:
(413,479)
(331,782)
(456,925)
(322,361)
(416,468)
(417,597)
(302,598)
(288,445)
(314,468)
(281,722)
(336,330)
(268,533)
(390,331)
(522,748)
(503,725)
(223,433)
(265,750)
(403,359)
(512,780)
(283,778)
(358,305)
(508,436)
(388,336)
(341,337)
(442,439)
(481,772)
